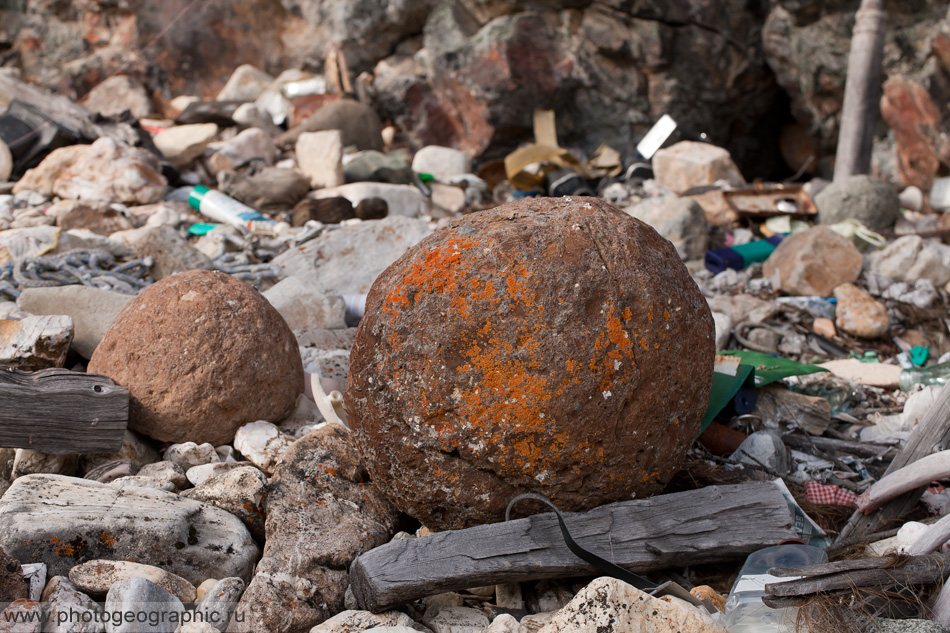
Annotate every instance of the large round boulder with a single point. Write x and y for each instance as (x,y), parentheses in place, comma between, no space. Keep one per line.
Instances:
(202,354)
(555,346)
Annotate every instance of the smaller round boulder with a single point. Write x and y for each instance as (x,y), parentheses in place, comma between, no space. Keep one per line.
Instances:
(202,354)
(873,203)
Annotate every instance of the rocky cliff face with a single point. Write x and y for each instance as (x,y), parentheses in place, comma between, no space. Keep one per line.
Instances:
(469,73)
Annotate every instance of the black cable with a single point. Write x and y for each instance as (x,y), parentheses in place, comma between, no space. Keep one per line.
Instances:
(610,569)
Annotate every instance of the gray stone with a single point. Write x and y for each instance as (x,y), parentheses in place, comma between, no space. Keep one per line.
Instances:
(447,198)
(147,483)
(182,144)
(303,419)
(196,627)
(884,625)
(763,449)
(10,310)
(166,472)
(250,115)
(320,516)
(252,144)
(723,330)
(85,239)
(401,199)
(93,310)
(116,94)
(378,167)
(25,613)
(355,621)
(171,253)
(262,444)
(441,162)
(198,475)
(873,203)
(246,83)
(909,259)
(162,611)
(40,180)
(217,605)
(348,260)
(97,576)
(110,471)
(608,604)
(189,454)
(270,189)
(505,623)
(29,462)
(327,363)
(358,122)
(680,220)
(109,172)
(36,342)
(447,599)
(306,307)
(63,521)
(70,610)
(455,620)
(134,448)
(320,156)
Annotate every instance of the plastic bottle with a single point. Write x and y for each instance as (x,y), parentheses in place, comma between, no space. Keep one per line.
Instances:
(745,611)
(933,375)
(225,209)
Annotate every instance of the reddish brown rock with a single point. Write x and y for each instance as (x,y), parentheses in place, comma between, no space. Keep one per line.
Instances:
(813,262)
(202,354)
(859,314)
(912,116)
(555,346)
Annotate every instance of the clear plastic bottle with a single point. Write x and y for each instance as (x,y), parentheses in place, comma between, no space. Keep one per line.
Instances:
(745,611)
(933,375)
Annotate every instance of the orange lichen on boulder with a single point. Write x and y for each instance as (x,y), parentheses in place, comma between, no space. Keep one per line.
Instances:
(554,346)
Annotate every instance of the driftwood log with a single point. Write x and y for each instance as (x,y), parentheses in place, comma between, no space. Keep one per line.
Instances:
(931,435)
(61,412)
(712,524)
(847,576)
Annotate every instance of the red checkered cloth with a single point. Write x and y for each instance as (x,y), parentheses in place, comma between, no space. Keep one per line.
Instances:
(823,494)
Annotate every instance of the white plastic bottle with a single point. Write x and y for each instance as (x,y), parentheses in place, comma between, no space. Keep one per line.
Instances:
(225,209)
(745,611)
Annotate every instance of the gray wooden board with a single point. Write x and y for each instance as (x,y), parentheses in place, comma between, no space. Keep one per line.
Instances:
(712,524)
(61,412)
(876,573)
(931,436)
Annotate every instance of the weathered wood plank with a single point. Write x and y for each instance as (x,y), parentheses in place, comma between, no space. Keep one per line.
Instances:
(876,573)
(713,524)
(61,412)
(931,435)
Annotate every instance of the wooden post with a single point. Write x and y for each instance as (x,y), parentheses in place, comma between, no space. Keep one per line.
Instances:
(862,93)
(712,524)
(931,435)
